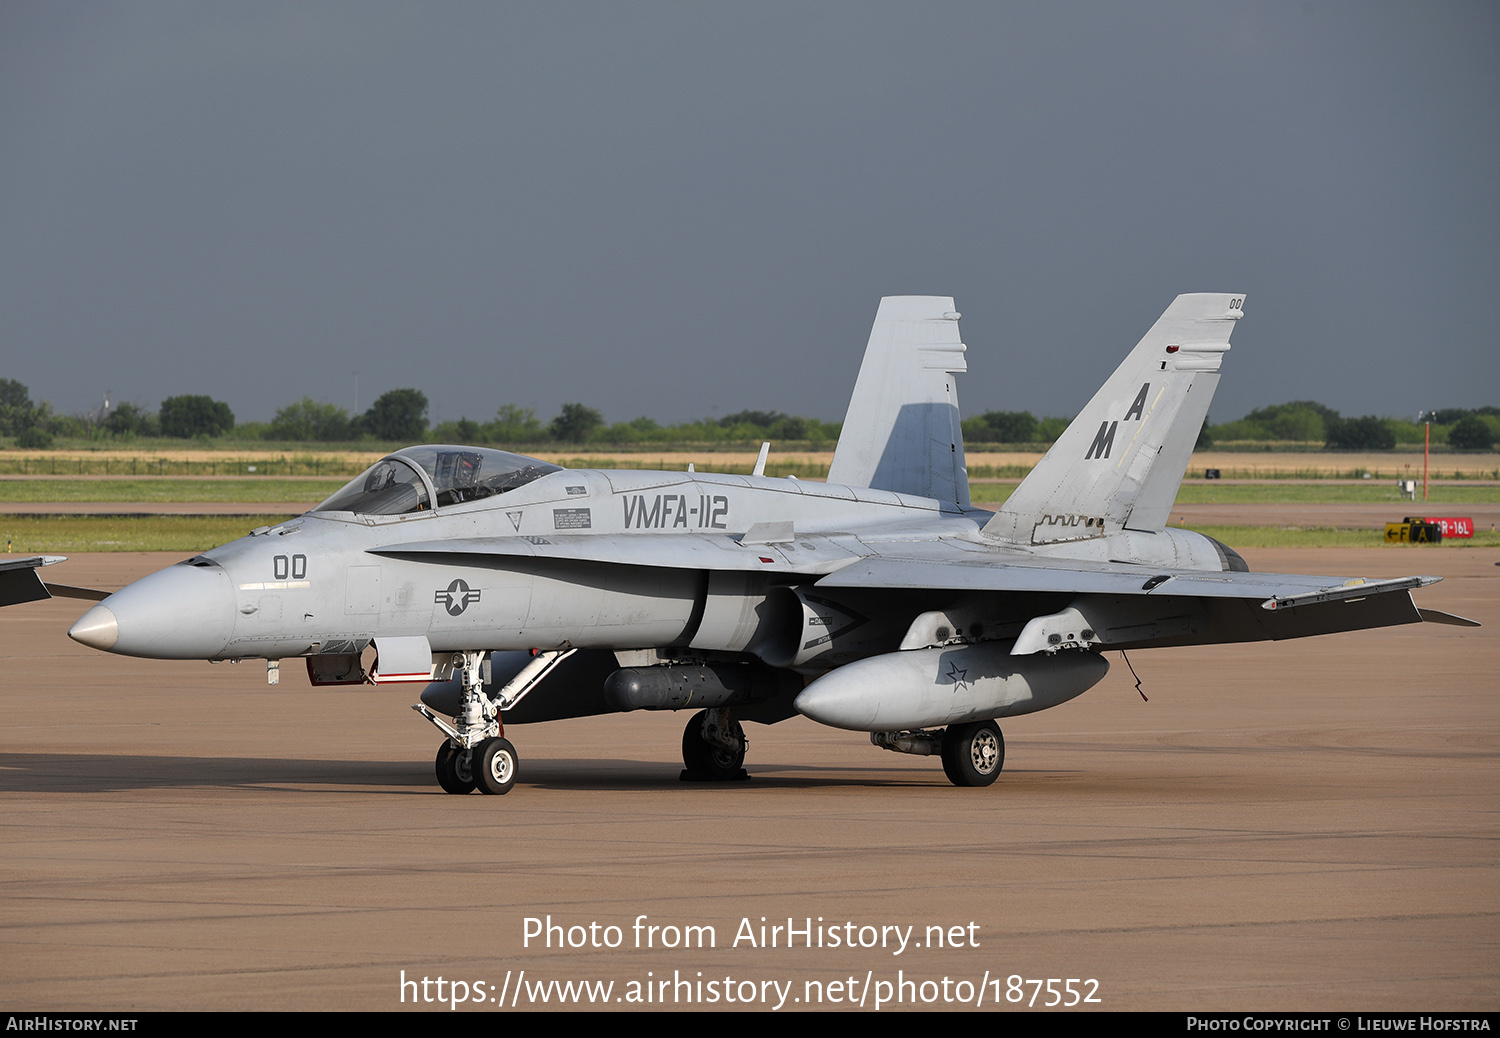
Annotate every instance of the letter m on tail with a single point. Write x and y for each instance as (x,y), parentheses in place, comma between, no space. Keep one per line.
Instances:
(1104,439)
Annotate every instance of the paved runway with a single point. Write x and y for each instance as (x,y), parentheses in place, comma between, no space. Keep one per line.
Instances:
(1302,825)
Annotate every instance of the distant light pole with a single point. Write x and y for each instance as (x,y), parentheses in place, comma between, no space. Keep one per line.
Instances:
(1425,417)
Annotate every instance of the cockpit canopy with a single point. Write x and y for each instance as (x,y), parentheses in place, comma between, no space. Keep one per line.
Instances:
(410,479)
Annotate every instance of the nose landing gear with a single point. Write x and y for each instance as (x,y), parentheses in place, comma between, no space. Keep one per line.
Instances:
(455,769)
(476,753)
(495,766)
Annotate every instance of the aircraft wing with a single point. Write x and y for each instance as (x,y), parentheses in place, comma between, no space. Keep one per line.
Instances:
(1122,605)
(807,556)
(844,562)
(977,572)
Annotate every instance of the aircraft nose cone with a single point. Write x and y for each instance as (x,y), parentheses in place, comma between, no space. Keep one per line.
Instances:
(96,628)
(181,613)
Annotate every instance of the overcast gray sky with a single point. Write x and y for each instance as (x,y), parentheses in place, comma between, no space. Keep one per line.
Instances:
(682,210)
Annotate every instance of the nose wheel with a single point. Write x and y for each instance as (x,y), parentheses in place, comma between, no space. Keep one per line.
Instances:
(495,766)
(455,770)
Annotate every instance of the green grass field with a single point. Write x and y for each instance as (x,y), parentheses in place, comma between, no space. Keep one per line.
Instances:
(1273,493)
(31,535)
(267,490)
(137,491)
(41,534)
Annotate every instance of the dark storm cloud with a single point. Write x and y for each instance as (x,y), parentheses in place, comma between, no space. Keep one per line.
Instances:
(678,210)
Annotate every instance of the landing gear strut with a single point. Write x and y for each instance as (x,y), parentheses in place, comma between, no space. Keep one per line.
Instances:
(476,753)
(713,748)
(463,754)
(973,753)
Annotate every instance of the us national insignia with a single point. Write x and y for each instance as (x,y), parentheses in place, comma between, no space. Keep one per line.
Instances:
(457,597)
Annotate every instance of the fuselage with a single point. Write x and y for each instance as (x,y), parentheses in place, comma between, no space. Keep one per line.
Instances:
(573,558)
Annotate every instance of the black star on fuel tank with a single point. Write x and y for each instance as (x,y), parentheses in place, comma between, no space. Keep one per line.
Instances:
(959,676)
(457,597)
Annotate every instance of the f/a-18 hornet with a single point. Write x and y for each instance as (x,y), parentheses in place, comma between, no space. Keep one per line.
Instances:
(879,601)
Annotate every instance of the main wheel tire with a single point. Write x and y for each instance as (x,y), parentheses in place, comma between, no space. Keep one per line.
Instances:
(454,773)
(495,766)
(703,759)
(973,753)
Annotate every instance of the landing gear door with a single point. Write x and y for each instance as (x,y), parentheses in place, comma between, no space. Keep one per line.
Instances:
(336,669)
(402,660)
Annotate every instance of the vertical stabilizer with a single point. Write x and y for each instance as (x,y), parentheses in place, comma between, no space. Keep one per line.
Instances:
(1118,466)
(901,432)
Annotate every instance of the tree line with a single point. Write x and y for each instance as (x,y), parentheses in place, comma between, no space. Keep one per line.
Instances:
(398,416)
(401,416)
(1308,420)
(1301,421)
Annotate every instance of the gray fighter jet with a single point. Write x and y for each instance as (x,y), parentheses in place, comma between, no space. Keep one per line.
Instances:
(879,601)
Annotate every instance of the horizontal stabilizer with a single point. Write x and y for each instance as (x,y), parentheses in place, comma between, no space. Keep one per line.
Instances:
(1433,616)
(88,594)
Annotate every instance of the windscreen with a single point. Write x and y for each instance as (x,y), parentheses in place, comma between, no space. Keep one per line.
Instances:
(388,487)
(459,474)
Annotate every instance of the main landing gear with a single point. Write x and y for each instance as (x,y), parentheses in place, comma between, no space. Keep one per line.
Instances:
(972,753)
(713,748)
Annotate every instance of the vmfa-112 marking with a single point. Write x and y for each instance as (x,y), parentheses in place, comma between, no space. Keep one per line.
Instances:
(877,601)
